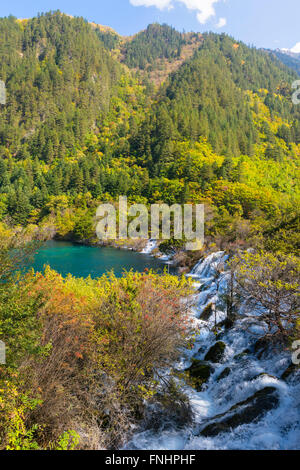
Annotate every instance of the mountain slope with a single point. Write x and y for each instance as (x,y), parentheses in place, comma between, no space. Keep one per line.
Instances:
(58,77)
(81,127)
(209,97)
(289,59)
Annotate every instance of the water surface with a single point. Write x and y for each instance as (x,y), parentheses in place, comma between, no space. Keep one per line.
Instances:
(82,261)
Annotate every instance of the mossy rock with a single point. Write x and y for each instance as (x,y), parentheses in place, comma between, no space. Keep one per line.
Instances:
(207,312)
(249,411)
(228,322)
(200,373)
(224,374)
(220,336)
(216,352)
(242,354)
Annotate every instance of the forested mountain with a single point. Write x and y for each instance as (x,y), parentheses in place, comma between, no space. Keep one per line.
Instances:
(289,59)
(206,97)
(156,42)
(158,51)
(162,117)
(80,126)
(59,78)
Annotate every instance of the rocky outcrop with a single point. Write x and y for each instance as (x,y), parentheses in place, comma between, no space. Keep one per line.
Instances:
(216,352)
(251,410)
(199,372)
(207,312)
(289,371)
(224,374)
(242,354)
(261,347)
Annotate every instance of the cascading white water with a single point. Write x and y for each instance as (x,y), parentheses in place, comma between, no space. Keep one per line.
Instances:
(278,429)
(151,245)
(206,269)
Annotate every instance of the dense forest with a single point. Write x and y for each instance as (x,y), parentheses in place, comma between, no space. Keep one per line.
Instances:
(79,128)
(156,42)
(84,123)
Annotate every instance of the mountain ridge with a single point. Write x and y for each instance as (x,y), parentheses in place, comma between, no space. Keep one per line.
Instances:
(82,125)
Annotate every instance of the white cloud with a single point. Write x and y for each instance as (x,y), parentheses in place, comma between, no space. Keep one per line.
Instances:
(161,4)
(296,48)
(205,8)
(221,23)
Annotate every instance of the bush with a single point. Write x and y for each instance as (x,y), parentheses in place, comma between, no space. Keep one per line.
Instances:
(270,282)
(95,359)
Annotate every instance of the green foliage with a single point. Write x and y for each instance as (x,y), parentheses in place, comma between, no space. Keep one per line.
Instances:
(221,131)
(14,432)
(58,75)
(156,42)
(69,440)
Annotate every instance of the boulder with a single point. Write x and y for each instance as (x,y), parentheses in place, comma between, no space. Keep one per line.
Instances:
(261,347)
(207,312)
(251,410)
(200,372)
(228,322)
(216,352)
(242,354)
(224,374)
(289,371)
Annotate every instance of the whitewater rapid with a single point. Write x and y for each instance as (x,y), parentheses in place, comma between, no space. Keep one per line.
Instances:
(279,429)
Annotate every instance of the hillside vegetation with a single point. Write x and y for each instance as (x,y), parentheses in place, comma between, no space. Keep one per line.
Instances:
(160,117)
(80,128)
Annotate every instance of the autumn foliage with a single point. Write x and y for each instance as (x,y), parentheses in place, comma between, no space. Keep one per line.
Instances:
(101,346)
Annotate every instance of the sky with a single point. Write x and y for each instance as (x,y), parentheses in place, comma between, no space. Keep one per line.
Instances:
(263,23)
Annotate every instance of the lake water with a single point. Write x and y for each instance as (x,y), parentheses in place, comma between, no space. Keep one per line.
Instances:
(82,261)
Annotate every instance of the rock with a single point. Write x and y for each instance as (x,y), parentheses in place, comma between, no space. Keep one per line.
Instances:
(220,336)
(200,372)
(216,352)
(228,322)
(289,371)
(261,347)
(264,374)
(251,410)
(242,354)
(224,374)
(201,350)
(207,312)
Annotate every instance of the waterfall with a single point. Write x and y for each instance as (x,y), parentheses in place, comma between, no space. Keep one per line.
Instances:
(151,245)
(207,268)
(243,375)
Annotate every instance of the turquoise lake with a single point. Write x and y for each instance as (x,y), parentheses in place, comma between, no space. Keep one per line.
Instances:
(82,261)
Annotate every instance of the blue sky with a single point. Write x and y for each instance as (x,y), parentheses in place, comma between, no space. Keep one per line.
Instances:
(263,23)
